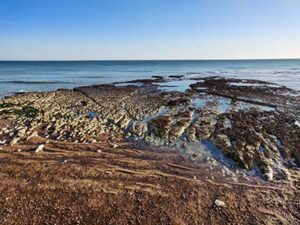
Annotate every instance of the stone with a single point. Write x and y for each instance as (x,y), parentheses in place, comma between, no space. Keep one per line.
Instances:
(219,203)
(33,134)
(286,174)
(40,148)
(269,174)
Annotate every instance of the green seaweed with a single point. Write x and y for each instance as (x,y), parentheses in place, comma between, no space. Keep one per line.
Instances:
(27,111)
(6,105)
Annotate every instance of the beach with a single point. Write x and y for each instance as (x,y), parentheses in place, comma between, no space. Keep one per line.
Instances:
(174,149)
(131,112)
(100,184)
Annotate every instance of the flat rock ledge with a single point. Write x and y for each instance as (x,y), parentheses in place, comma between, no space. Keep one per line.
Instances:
(253,123)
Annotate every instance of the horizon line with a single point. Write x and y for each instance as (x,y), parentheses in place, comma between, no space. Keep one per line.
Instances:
(91,60)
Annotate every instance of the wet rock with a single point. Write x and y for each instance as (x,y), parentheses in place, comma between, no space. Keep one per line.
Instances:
(140,128)
(161,125)
(245,122)
(286,174)
(223,142)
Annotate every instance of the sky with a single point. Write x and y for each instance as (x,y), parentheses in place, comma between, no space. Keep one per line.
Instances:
(149,29)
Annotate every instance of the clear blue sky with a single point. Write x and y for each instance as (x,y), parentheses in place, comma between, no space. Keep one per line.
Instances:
(149,29)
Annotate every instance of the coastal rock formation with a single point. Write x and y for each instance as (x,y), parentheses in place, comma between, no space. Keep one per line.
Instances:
(254,123)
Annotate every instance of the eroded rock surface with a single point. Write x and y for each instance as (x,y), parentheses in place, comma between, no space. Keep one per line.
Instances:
(254,123)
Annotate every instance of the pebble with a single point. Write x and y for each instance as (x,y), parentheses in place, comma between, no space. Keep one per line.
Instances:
(244,176)
(99,151)
(286,174)
(219,203)
(33,134)
(40,148)
(5,130)
(223,172)
(234,179)
(269,175)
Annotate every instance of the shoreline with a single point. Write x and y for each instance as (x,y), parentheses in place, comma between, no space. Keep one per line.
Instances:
(44,76)
(140,142)
(215,97)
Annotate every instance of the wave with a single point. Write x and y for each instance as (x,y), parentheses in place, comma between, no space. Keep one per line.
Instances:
(91,76)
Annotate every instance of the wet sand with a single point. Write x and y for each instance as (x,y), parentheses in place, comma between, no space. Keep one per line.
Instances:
(131,184)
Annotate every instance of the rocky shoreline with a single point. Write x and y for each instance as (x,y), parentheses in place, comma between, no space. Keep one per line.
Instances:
(242,130)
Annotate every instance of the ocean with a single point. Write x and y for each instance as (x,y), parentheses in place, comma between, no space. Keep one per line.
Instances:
(19,76)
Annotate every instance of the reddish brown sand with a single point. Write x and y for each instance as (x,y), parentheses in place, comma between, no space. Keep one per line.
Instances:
(130,184)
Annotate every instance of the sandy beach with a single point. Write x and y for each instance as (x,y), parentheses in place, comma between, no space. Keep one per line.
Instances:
(130,112)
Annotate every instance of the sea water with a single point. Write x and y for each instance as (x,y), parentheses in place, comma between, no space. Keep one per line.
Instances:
(19,76)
